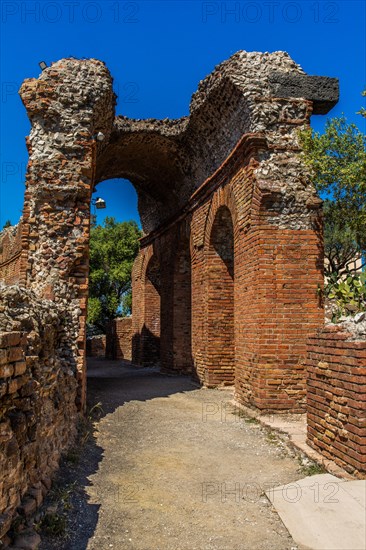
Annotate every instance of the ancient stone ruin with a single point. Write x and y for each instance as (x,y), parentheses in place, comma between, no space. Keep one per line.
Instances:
(227,283)
(232,224)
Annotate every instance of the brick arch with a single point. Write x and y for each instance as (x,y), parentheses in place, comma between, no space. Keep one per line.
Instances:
(146,308)
(220,304)
(224,196)
(176,165)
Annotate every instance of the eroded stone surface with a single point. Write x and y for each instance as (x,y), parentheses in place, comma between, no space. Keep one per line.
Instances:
(37,409)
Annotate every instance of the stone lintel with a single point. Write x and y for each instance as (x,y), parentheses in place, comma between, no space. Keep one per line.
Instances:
(323,91)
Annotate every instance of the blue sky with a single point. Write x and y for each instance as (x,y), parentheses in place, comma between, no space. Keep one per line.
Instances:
(157,52)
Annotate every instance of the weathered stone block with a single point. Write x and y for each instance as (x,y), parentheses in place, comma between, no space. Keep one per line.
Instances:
(16,383)
(3,357)
(19,368)
(9,339)
(322,91)
(6,371)
(15,354)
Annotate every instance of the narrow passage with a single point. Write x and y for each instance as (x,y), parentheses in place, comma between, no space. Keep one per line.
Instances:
(173,466)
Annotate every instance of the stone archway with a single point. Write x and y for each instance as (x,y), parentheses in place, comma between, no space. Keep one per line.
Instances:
(244,116)
(241,141)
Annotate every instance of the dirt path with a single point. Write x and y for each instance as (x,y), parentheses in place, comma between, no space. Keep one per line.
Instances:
(174,467)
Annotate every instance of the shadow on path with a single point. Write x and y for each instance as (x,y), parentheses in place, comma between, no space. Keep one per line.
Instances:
(114,383)
(110,384)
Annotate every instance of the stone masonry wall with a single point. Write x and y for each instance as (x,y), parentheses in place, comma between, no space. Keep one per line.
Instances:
(336,397)
(10,254)
(239,149)
(37,400)
(68,105)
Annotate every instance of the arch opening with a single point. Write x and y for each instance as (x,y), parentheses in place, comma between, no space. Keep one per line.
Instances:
(220,301)
(150,334)
(182,310)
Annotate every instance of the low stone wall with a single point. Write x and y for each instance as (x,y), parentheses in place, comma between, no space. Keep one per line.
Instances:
(96,346)
(336,397)
(38,414)
(10,254)
(119,339)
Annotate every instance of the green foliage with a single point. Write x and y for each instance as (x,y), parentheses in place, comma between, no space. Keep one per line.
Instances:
(54,524)
(95,310)
(341,245)
(337,161)
(348,294)
(311,468)
(113,248)
(7,224)
(127,303)
(362,111)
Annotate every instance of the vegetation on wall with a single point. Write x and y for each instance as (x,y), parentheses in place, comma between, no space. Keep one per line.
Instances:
(337,160)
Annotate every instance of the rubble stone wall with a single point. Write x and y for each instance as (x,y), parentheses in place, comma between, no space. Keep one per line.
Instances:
(38,389)
(238,149)
(10,254)
(67,105)
(336,397)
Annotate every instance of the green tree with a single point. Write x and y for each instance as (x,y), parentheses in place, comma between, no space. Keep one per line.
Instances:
(7,224)
(337,160)
(113,248)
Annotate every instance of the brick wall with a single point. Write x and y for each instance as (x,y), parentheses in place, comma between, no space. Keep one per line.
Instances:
(238,150)
(226,283)
(37,419)
(10,254)
(119,339)
(96,346)
(245,296)
(336,398)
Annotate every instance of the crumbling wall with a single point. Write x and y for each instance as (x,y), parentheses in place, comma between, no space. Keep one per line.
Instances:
(67,105)
(252,92)
(336,395)
(238,148)
(242,154)
(236,153)
(37,399)
(10,254)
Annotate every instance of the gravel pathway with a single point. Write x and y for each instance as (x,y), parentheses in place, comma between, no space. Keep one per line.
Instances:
(172,466)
